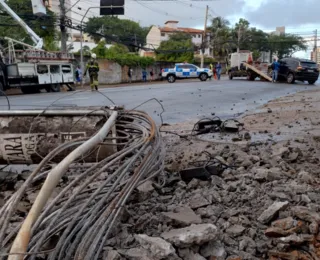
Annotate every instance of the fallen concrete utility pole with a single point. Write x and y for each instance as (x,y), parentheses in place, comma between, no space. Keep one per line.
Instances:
(27,137)
(21,242)
(81,205)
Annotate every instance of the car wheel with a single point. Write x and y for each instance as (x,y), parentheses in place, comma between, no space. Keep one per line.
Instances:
(230,75)
(311,82)
(250,76)
(203,76)
(290,78)
(171,78)
(55,88)
(30,90)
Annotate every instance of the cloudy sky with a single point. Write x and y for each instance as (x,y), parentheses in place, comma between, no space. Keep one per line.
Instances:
(299,16)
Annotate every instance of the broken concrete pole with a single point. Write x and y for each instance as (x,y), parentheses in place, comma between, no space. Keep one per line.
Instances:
(27,139)
(193,235)
(184,216)
(271,212)
(156,246)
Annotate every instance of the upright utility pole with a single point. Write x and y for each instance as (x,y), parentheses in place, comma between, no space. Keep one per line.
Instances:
(204,37)
(64,34)
(315,47)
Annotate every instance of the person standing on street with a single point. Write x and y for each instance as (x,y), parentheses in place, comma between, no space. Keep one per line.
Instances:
(78,75)
(151,75)
(211,68)
(275,66)
(130,72)
(144,75)
(218,70)
(93,69)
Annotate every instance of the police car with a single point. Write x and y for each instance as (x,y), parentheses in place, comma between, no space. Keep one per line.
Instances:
(185,71)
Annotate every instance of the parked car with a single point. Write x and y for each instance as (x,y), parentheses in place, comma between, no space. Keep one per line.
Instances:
(292,69)
(184,71)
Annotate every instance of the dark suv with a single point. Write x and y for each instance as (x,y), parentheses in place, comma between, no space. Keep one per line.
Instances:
(292,69)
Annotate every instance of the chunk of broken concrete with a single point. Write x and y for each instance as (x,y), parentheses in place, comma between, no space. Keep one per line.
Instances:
(285,223)
(184,216)
(188,254)
(272,211)
(112,255)
(135,254)
(156,246)
(192,235)
(213,249)
(306,214)
(198,201)
(276,232)
(146,187)
(235,230)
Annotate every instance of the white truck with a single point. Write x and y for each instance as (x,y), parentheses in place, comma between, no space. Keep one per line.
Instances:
(33,69)
(241,64)
(184,71)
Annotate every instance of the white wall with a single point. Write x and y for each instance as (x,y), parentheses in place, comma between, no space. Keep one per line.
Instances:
(153,38)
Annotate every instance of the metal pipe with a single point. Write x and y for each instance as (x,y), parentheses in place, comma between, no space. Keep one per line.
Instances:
(20,244)
(52,112)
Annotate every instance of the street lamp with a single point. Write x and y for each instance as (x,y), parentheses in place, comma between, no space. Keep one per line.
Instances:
(81,31)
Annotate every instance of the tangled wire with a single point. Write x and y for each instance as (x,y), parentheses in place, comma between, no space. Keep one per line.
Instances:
(76,222)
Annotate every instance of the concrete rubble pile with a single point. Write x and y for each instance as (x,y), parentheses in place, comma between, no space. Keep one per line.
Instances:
(264,206)
(67,209)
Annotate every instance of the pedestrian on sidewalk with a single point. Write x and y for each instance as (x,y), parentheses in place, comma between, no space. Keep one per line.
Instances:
(211,68)
(78,75)
(130,72)
(151,75)
(275,66)
(144,75)
(93,69)
(218,70)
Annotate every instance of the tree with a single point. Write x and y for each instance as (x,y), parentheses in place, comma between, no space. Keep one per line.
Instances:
(113,29)
(43,26)
(120,54)
(286,44)
(221,37)
(179,48)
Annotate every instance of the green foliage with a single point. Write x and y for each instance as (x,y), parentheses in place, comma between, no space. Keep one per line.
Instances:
(122,31)
(178,48)
(43,26)
(286,45)
(120,54)
(256,55)
(226,40)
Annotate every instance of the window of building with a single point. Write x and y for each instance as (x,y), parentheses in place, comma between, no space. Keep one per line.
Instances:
(54,69)
(66,69)
(42,69)
(199,35)
(163,34)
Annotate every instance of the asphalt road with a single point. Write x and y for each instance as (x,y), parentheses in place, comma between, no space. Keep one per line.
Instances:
(182,100)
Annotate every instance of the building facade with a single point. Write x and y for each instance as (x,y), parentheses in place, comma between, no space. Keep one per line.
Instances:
(315,56)
(158,34)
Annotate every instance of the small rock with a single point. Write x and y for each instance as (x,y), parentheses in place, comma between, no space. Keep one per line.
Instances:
(306,177)
(269,110)
(195,234)
(112,255)
(146,187)
(156,246)
(188,254)
(198,201)
(247,136)
(235,230)
(306,214)
(135,254)
(184,216)
(213,249)
(275,232)
(285,223)
(271,212)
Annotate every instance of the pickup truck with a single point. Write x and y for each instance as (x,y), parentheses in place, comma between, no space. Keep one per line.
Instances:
(185,71)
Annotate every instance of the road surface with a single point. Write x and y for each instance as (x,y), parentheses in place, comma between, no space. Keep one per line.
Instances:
(183,100)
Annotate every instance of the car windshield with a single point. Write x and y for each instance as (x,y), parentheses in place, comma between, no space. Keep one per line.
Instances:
(309,65)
